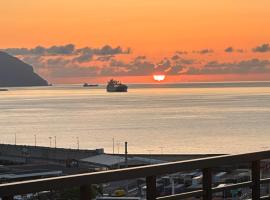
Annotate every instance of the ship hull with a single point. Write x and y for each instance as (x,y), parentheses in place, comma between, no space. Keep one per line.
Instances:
(119,88)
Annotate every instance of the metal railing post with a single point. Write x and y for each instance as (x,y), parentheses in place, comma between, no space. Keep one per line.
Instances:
(85,192)
(151,190)
(207,184)
(256,179)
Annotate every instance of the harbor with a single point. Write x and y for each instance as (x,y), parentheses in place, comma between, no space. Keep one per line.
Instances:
(22,162)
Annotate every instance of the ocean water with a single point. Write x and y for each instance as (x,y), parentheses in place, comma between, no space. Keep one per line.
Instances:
(178,118)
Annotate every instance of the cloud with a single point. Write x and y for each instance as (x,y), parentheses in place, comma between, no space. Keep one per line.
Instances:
(175,57)
(61,50)
(68,49)
(105,50)
(137,67)
(74,71)
(40,50)
(204,51)
(117,63)
(186,61)
(181,52)
(229,50)
(179,60)
(138,58)
(108,50)
(243,67)
(36,61)
(163,65)
(57,62)
(85,57)
(262,48)
(69,61)
(104,58)
(141,66)
(175,70)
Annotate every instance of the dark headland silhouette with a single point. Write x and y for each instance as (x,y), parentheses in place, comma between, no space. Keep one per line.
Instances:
(16,73)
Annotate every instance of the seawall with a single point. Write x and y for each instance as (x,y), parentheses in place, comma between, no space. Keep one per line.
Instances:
(20,152)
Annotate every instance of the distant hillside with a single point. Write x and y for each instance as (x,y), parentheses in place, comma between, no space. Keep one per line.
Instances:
(14,72)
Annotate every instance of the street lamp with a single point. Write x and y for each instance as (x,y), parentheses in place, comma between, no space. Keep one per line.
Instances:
(35,140)
(50,138)
(54,141)
(78,143)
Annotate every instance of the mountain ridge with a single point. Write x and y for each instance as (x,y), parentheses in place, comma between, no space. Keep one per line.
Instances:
(16,73)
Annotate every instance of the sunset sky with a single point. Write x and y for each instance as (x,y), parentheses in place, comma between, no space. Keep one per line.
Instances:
(74,41)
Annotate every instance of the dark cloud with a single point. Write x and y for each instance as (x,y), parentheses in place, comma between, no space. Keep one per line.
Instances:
(186,61)
(142,67)
(163,65)
(85,57)
(105,50)
(117,63)
(204,51)
(108,50)
(69,61)
(137,67)
(36,61)
(40,50)
(242,67)
(240,50)
(182,61)
(138,58)
(61,50)
(181,52)
(68,49)
(175,70)
(57,62)
(104,58)
(24,51)
(262,48)
(74,71)
(175,57)
(64,67)
(229,50)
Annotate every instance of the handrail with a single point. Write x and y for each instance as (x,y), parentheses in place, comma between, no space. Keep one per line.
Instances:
(30,186)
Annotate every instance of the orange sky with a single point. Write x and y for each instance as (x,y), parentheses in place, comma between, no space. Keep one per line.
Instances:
(155,28)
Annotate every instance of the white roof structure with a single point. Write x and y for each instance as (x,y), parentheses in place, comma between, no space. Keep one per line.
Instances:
(104,159)
(109,160)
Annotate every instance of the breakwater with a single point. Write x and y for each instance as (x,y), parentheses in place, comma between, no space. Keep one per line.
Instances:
(19,153)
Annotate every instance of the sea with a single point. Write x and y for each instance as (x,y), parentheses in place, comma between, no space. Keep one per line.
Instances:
(185,118)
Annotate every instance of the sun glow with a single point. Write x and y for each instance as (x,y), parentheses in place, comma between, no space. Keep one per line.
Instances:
(159,77)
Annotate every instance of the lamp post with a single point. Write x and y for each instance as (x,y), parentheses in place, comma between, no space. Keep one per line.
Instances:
(54,141)
(35,140)
(50,138)
(126,154)
(161,150)
(113,145)
(78,143)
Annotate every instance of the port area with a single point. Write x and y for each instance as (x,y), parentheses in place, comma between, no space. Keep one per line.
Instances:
(21,162)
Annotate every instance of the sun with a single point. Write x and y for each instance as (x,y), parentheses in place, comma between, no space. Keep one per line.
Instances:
(159,77)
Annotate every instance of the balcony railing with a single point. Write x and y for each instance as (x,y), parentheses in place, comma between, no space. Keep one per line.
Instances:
(150,172)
